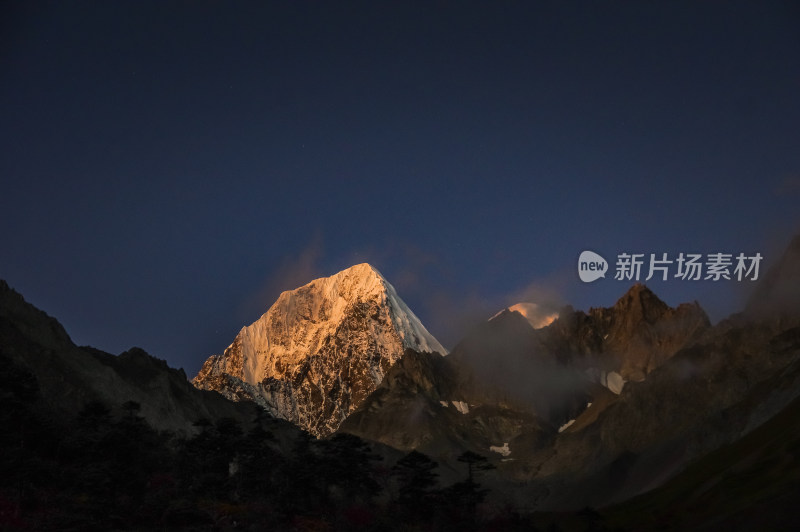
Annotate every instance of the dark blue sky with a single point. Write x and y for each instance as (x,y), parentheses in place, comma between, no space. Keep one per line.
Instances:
(168,168)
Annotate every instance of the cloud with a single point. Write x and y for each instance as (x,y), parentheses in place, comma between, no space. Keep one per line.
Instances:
(541,297)
(409,266)
(452,314)
(507,361)
(537,316)
(292,272)
(300,269)
(450,311)
(426,281)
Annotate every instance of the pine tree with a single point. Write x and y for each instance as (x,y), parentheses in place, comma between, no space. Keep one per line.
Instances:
(348,466)
(416,480)
(468,493)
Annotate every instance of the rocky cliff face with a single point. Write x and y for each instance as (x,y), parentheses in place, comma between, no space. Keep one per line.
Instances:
(626,341)
(320,350)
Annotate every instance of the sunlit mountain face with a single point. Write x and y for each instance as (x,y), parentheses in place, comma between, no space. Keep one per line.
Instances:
(537,316)
(320,350)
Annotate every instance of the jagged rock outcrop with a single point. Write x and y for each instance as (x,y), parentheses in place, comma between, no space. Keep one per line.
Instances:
(320,350)
(632,338)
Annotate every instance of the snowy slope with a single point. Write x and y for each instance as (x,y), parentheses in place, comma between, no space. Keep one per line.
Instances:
(320,349)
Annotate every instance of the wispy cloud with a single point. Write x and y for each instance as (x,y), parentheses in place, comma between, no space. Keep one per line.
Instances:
(546,292)
(292,272)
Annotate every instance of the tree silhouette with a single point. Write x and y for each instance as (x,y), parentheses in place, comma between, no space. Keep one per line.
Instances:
(258,466)
(94,415)
(131,409)
(468,493)
(303,490)
(207,461)
(348,466)
(416,480)
(475,463)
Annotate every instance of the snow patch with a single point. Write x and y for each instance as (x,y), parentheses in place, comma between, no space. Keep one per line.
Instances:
(614,382)
(461,406)
(504,450)
(610,379)
(566,425)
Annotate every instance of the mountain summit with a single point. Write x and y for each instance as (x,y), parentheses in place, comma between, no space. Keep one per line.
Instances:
(320,350)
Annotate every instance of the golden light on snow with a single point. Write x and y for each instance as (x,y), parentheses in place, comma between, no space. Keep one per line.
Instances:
(537,316)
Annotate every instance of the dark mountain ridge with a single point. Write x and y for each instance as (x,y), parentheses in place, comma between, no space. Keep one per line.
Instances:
(69,376)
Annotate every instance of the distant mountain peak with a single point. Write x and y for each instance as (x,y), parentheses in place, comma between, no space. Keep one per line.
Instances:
(536,315)
(638,290)
(641,302)
(320,349)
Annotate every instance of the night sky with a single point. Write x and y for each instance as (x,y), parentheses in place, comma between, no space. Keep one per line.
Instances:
(169,167)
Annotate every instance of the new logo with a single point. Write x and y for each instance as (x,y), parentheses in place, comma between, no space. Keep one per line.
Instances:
(591,266)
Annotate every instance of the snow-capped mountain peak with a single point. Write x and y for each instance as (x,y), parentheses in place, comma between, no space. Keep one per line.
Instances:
(536,315)
(320,349)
